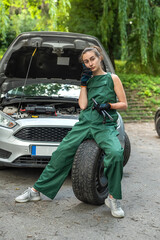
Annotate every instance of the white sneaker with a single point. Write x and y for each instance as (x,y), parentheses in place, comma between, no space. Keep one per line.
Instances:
(115,207)
(27,196)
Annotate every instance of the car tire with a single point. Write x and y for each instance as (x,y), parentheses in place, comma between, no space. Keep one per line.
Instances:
(88,181)
(2,167)
(158,126)
(127,149)
(157,115)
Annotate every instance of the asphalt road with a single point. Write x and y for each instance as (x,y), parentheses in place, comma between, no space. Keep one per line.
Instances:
(66,218)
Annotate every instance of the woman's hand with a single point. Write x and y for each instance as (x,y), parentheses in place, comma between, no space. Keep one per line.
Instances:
(83,99)
(85,76)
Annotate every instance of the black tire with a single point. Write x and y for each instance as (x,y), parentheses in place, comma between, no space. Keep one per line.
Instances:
(2,167)
(127,149)
(157,115)
(88,180)
(158,126)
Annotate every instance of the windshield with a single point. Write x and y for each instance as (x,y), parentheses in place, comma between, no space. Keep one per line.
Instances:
(46,90)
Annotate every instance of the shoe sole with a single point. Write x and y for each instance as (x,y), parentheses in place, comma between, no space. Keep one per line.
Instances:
(116,215)
(27,200)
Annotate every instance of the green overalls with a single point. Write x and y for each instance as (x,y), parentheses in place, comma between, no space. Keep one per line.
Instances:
(90,125)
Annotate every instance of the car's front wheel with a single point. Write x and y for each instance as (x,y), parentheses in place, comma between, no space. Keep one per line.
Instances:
(2,167)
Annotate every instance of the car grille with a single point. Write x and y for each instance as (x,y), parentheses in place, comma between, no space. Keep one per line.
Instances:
(4,154)
(44,134)
(30,161)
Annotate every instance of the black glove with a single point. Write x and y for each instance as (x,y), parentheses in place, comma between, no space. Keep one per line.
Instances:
(97,107)
(85,76)
(105,106)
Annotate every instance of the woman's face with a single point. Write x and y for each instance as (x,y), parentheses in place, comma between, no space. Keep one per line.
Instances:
(92,61)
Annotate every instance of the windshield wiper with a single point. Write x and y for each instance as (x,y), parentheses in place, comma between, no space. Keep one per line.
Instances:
(19,96)
(43,97)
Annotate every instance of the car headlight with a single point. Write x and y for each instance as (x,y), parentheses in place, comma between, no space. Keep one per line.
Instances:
(6,121)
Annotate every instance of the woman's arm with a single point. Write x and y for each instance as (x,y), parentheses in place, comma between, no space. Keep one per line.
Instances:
(119,90)
(83,100)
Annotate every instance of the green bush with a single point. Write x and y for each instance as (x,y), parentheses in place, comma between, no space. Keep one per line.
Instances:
(144,87)
(120,66)
(2,51)
(133,67)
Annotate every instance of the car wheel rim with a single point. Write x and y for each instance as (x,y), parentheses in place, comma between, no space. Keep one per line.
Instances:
(101,180)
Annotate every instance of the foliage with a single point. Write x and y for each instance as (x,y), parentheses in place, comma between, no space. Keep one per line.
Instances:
(4,19)
(129,29)
(145,87)
(98,18)
(31,15)
(122,14)
(156,32)
(120,66)
(142,19)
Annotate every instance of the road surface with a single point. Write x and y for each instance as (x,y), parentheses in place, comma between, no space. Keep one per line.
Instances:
(66,218)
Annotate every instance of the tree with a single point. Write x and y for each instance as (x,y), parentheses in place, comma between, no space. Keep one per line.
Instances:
(4,19)
(128,29)
(18,16)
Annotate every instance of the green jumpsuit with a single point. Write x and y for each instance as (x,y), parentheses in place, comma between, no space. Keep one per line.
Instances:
(90,125)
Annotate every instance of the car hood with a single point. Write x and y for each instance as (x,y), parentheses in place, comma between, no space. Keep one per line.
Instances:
(45,57)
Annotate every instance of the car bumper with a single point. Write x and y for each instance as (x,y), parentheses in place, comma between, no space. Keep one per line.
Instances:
(17,152)
(24,154)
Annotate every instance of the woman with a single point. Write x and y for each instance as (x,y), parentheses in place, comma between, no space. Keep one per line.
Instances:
(105,88)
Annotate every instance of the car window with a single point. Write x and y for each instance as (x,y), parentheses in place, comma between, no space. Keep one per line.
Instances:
(50,90)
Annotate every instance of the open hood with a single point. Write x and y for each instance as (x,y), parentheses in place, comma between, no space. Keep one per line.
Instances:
(45,57)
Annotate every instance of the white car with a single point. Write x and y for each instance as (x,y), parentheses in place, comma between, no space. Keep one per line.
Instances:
(39,89)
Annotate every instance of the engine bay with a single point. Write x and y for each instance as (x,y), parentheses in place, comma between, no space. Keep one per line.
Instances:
(41,110)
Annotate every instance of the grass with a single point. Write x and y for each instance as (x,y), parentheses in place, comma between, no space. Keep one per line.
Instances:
(143,93)
(142,87)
